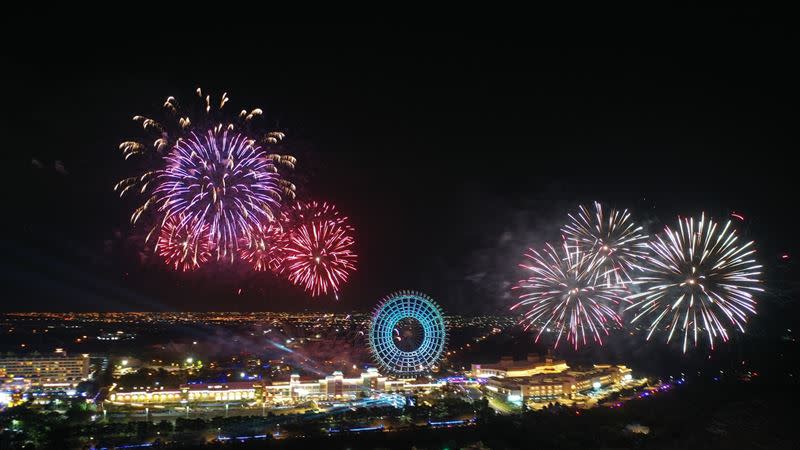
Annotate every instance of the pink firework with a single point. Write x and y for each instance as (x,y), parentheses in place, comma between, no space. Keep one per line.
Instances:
(563,294)
(183,244)
(264,248)
(319,250)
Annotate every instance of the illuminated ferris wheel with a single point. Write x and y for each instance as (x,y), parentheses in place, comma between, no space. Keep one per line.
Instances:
(408,333)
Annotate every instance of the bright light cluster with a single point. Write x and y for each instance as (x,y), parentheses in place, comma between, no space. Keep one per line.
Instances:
(214,190)
(384,333)
(696,280)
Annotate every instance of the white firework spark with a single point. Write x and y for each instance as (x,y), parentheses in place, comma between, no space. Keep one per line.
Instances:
(700,280)
(613,238)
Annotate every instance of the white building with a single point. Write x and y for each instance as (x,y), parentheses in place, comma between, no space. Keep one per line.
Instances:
(335,386)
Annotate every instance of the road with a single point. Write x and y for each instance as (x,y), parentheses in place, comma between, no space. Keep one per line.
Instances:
(497,404)
(501,406)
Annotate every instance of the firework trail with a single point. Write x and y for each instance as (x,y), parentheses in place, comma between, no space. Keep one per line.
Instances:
(697,281)
(319,247)
(210,173)
(565,293)
(613,238)
(181,245)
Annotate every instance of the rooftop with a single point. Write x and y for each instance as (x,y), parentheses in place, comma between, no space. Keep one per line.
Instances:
(533,360)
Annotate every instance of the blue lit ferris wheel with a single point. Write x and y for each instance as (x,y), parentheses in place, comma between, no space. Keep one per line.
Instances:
(408,333)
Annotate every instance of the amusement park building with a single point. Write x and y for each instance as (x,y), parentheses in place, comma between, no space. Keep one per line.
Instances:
(332,387)
(561,383)
(507,367)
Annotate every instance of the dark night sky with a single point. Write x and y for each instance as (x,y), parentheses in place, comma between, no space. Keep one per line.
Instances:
(450,151)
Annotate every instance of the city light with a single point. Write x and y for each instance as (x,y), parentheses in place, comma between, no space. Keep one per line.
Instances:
(246,384)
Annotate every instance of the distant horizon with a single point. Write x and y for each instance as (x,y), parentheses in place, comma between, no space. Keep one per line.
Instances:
(446,313)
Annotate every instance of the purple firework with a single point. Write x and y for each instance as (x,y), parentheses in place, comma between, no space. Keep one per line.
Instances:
(218,176)
(220,180)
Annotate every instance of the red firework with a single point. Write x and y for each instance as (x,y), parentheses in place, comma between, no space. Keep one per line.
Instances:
(184,244)
(318,252)
(264,248)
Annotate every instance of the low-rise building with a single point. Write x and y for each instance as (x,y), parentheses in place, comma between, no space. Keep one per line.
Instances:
(507,367)
(547,380)
(600,375)
(235,391)
(116,336)
(223,392)
(334,387)
(146,396)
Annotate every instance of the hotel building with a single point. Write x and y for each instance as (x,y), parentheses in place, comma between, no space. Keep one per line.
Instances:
(508,368)
(546,380)
(56,371)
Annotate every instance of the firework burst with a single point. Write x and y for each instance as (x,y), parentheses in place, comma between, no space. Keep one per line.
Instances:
(698,281)
(181,245)
(223,181)
(564,293)
(264,249)
(613,238)
(319,247)
(211,173)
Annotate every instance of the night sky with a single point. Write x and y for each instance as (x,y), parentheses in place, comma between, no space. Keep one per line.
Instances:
(451,152)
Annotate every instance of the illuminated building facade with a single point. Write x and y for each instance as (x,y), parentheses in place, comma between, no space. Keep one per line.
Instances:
(237,391)
(56,371)
(334,387)
(118,336)
(562,385)
(508,368)
(600,375)
(146,396)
